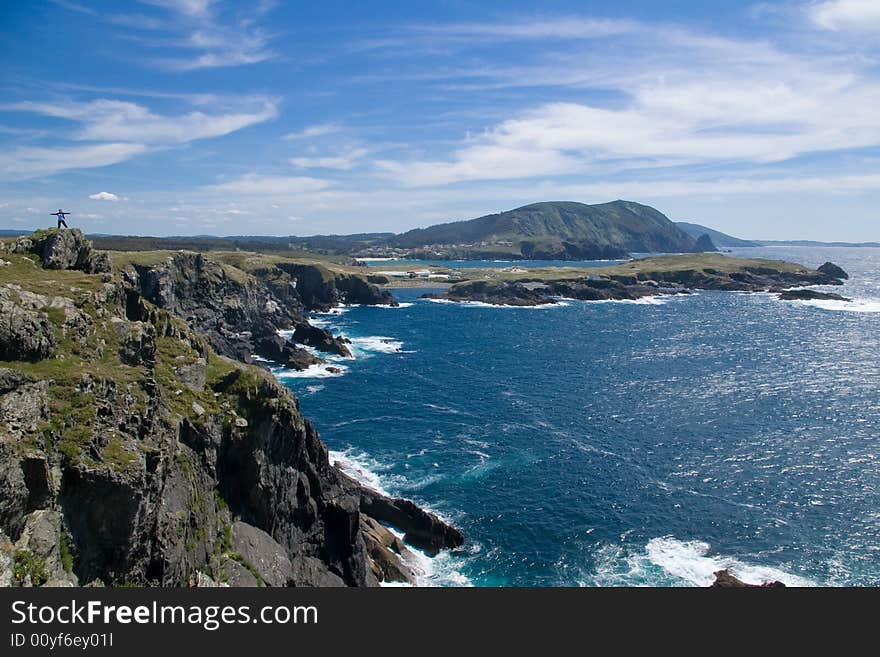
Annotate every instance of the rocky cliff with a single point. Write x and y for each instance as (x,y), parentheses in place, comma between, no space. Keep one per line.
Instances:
(132,452)
(241,310)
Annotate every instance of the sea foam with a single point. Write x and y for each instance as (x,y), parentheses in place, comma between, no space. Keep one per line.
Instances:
(854,306)
(669,561)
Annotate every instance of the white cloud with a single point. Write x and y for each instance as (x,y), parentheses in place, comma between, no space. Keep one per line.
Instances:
(254,184)
(681,99)
(104,196)
(26,162)
(115,120)
(317,130)
(846,15)
(343,161)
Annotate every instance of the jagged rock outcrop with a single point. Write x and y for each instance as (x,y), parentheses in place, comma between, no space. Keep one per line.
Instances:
(833,271)
(422,529)
(25,334)
(135,454)
(321,289)
(321,339)
(705,243)
(63,249)
(242,312)
(724,579)
(810,295)
(219,301)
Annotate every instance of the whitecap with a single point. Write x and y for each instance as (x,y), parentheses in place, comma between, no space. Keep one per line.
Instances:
(377,344)
(361,467)
(854,306)
(317,371)
(667,561)
(440,570)
(483,304)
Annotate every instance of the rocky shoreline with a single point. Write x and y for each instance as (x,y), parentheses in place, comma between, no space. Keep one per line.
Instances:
(140,446)
(650,277)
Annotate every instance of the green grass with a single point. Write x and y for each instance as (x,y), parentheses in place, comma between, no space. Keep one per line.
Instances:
(66,554)
(669,263)
(27,566)
(26,272)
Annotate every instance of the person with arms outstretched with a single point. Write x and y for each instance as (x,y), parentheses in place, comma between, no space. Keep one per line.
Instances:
(60,214)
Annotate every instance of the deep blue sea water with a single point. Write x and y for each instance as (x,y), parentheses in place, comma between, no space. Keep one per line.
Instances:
(623,443)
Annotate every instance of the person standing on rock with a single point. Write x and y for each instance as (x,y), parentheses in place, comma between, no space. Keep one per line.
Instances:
(60,214)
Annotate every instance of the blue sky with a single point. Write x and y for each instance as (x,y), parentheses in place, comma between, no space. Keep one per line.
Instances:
(220,117)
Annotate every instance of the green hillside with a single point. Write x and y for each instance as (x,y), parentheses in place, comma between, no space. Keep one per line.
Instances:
(607,230)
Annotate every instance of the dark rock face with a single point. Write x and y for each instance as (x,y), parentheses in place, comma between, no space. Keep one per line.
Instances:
(229,308)
(321,289)
(502,294)
(422,529)
(280,350)
(241,313)
(832,270)
(810,295)
(321,339)
(725,580)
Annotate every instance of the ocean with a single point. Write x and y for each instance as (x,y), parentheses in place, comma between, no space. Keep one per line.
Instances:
(623,443)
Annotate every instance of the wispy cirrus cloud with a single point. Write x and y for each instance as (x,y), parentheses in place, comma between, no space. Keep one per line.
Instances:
(115,120)
(217,40)
(125,129)
(270,185)
(344,161)
(312,131)
(30,162)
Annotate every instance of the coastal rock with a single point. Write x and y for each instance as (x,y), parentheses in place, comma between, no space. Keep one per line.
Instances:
(500,294)
(704,244)
(810,295)
(386,552)
(321,289)
(321,339)
(724,579)
(833,271)
(421,529)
